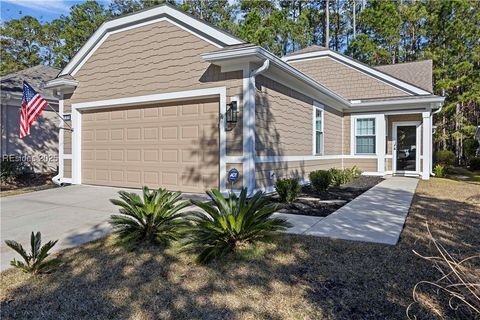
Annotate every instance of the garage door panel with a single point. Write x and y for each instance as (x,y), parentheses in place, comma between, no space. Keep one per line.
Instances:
(174,146)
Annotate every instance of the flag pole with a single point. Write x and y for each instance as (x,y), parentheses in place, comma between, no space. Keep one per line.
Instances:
(58,114)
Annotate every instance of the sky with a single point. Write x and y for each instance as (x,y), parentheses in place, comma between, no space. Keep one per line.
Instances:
(43,10)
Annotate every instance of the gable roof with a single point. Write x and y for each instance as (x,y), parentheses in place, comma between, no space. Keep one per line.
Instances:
(312,48)
(359,67)
(36,76)
(199,28)
(418,73)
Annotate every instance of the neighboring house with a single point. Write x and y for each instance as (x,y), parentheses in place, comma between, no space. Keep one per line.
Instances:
(150,96)
(40,149)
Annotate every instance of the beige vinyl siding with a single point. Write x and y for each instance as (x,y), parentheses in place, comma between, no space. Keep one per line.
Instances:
(67,168)
(284,123)
(290,169)
(366,165)
(345,80)
(156,58)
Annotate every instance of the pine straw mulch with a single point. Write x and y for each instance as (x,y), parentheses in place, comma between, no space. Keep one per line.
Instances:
(294,277)
(27,183)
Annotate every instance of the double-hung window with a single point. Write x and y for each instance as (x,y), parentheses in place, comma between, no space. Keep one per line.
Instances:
(318,130)
(365,136)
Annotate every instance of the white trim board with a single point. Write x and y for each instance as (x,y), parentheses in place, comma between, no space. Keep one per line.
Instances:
(125,102)
(418,131)
(192,25)
(359,67)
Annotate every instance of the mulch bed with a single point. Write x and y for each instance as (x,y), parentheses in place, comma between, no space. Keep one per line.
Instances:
(321,204)
(27,183)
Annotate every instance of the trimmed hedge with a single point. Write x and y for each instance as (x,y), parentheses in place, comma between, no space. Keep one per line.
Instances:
(320,179)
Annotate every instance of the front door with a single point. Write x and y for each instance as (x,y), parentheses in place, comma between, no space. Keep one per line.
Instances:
(406,148)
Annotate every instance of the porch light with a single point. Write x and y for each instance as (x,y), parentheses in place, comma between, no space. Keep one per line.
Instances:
(232,112)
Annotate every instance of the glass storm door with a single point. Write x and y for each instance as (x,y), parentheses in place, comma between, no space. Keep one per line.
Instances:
(406,146)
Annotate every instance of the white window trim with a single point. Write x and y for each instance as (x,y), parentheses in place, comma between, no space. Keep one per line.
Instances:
(354,134)
(318,106)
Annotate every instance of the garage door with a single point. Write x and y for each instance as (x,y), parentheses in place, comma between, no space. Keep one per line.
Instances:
(173,145)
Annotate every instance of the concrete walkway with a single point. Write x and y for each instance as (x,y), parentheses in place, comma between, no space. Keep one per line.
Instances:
(377,215)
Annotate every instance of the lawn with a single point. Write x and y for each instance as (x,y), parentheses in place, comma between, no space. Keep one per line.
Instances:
(295,277)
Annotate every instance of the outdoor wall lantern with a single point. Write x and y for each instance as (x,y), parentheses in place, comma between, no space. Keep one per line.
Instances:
(232,112)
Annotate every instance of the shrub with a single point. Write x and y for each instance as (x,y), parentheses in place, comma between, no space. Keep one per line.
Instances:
(337,176)
(10,169)
(288,189)
(320,179)
(356,172)
(445,157)
(223,224)
(475,163)
(35,261)
(470,147)
(439,170)
(155,217)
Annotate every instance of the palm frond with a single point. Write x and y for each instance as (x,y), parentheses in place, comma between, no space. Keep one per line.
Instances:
(221,224)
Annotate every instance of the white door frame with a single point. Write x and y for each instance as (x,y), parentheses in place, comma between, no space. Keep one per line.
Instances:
(395,125)
(219,92)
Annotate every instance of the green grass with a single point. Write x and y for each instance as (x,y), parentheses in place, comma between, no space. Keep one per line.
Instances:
(463,174)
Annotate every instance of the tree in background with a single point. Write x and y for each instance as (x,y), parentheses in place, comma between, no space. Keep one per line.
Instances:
(372,31)
(20,44)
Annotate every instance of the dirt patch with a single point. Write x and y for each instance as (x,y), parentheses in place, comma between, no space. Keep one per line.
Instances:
(321,204)
(27,183)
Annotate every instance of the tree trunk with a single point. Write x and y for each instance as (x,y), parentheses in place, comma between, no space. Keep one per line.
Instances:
(327,24)
(354,24)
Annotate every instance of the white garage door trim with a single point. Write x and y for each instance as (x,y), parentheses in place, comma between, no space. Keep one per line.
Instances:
(129,101)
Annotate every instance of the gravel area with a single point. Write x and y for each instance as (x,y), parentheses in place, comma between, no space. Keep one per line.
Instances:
(321,204)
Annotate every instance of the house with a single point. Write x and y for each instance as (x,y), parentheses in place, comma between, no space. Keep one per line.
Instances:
(160,98)
(40,149)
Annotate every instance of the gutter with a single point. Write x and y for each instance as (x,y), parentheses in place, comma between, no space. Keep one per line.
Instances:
(250,125)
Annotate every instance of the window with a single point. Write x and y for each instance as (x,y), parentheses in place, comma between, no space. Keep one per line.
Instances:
(365,136)
(318,131)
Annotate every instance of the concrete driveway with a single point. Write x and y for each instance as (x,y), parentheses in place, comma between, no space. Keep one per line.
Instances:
(73,215)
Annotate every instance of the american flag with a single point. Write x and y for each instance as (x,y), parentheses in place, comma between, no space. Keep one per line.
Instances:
(32,105)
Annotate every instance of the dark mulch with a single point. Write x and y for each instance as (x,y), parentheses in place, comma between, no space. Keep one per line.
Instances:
(28,182)
(310,202)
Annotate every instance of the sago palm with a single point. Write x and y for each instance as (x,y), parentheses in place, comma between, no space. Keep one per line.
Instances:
(154,217)
(223,224)
(35,262)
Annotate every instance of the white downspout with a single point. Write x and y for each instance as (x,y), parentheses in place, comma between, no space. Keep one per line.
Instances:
(56,179)
(431,142)
(250,125)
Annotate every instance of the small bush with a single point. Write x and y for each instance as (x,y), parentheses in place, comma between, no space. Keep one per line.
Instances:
(320,180)
(338,176)
(440,170)
(224,224)
(356,172)
(288,189)
(445,157)
(35,261)
(470,147)
(475,164)
(10,169)
(154,217)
